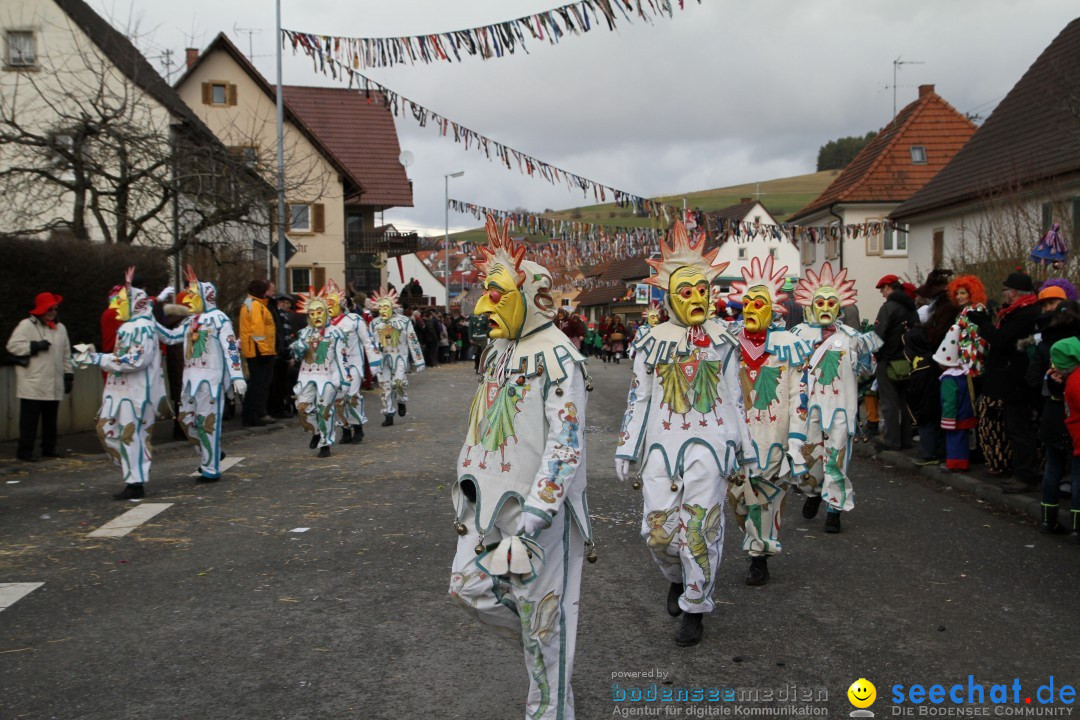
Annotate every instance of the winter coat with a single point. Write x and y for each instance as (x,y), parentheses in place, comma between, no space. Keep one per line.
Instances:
(1007,358)
(258,335)
(894,319)
(1052,430)
(43,378)
(924,390)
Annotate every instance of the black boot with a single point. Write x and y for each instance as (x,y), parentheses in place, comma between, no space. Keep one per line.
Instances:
(759,571)
(314,442)
(690,631)
(401,409)
(358,434)
(346,436)
(832,521)
(810,507)
(1050,524)
(388,421)
(673,594)
(1075,536)
(131,491)
(324,451)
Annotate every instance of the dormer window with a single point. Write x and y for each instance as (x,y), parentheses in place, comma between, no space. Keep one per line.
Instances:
(21,49)
(918,154)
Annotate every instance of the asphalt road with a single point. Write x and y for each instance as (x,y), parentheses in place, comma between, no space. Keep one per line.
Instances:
(216,608)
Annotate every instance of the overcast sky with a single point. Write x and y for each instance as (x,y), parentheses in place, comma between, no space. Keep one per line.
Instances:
(729,91)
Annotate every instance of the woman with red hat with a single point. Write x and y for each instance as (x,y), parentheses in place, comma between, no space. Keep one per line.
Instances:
(43,374)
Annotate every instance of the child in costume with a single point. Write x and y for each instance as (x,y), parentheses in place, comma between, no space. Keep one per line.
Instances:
(395,338)
(211,368)
(684,427)
(826,414)
(358,346)
(961,354)
(771,359)
(135,394)
(320,348)
(519,499)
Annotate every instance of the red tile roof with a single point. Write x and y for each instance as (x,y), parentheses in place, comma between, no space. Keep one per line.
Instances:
(360,133)
(883,171)
(631,268)
(600,296)
(1033,135)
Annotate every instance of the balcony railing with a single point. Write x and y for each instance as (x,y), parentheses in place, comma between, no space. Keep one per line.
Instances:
(391,243)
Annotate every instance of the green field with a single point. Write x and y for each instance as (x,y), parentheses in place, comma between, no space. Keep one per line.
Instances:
(780,197)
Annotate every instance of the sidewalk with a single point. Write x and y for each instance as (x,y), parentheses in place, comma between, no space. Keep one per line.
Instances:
(985,489)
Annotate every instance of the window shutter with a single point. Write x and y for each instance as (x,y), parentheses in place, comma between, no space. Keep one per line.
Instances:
(288,216)
(207,94)
(230,95)
(318,218)
(320,277)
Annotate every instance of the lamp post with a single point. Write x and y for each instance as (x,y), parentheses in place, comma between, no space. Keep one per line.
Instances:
(446,238)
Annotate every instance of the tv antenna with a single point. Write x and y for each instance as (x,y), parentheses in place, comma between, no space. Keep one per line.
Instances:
(249,32)
(896,66)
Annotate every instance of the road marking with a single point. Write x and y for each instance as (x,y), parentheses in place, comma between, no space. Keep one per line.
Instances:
(130,520)
(225,465)
(11,593)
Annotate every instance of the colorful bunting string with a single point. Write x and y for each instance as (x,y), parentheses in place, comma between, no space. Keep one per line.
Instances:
(496,40)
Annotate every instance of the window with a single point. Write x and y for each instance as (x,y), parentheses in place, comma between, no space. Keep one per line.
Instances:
(299,218)
(938,247)
(894,242)
(772,253)
(832,247)
(809,251)
(247,154)
(742,253)
(219,93)
(918,154)
(299,279)
(21,49)
(873,239)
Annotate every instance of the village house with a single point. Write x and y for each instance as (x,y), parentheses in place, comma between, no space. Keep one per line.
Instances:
(759,235)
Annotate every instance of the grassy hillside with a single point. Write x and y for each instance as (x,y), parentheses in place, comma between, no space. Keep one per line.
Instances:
(780,197)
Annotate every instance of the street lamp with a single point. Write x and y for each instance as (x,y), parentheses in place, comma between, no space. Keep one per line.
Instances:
(446,207)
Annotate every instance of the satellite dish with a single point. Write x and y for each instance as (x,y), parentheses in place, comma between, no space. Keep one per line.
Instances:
(406,158)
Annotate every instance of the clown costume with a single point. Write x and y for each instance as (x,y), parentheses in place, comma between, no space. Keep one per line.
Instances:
(320,348)
(358,347)
(396,340)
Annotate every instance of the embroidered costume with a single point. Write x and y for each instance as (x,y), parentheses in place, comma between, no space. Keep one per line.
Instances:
(519,499)
(772,361)
(358,346)
(961,356)
(684,428)
(211,368)
(135,394)
(395,338)
(825,418)
(320,348)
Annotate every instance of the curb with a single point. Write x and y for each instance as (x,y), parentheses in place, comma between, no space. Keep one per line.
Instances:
(986,491)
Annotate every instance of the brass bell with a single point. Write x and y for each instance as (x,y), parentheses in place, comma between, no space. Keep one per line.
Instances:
(588,388)
(529,553)
(559,391)
(461,529)
(674,487)
(636,485)
(592,556)
(479,549)
(520,380)
(648,371)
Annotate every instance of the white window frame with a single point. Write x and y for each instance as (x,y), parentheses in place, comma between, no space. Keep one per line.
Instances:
(898,235)
(293,228)
(20,62)
(920,151)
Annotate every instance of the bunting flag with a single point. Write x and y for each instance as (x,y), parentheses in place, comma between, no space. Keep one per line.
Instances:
(496,40)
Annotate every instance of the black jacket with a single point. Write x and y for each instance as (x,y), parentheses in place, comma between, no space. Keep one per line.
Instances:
(1011,345)
(894,319)
(1052,430)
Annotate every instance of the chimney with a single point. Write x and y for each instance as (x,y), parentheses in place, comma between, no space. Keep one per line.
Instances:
(925,90)
(193,57)
(744,200)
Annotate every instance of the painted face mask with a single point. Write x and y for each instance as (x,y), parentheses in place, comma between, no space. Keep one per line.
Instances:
(688,295)
(119,303)
(517,292)
(653,317)
(386,308)
(757,309)
(826,307)
(317,313)
(502,303)
(686,272)
(825,294)
(193,298)
(761,292)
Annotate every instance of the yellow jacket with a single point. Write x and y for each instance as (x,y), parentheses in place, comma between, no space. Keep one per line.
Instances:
(257,332)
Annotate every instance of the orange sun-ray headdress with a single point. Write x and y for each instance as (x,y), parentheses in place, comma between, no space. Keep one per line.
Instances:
(500,250)
(683,251)
(303,298)
(759,274)
(809,285)
(382,294)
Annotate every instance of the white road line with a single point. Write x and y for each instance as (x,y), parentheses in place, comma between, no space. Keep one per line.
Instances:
(225,465)
(11,593)
(130,520)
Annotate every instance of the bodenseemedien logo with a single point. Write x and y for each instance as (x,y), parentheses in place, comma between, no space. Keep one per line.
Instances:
(861,695)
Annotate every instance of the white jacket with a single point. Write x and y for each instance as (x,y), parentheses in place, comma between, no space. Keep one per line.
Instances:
(43,378)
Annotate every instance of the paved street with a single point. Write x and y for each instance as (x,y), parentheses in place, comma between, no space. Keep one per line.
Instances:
(219,607)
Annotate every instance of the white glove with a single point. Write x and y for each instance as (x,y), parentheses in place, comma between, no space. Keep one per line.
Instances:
(239,387)
(622,469)
(167,293)
(532,523)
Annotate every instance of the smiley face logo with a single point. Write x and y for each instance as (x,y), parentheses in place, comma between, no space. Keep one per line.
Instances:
(862,693)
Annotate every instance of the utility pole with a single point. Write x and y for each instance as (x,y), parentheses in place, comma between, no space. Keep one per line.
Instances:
(166,61)
(249,32)
(896,66)
(282,240)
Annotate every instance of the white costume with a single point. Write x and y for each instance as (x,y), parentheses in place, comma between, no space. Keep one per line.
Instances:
(520,495)
(396,340)
(358,346)
(320,348)
(211,368)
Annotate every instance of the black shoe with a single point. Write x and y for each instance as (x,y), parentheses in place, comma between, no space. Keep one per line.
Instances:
(222,456)
(810,507)
(690,631)
(26,457)
(324,451)
(207,478)
(346,436)
(258,422)
(401,409)
(1016,487)
(50,454)
(759,571)
(832,522)
(131,491)
(882,447)
(269,419)
(673,594)
(388,421)
(358,434)
(906,446)
(1050,524)
(314,442)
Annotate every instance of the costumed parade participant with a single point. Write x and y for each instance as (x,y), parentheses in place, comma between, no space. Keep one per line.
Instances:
(771,359)
(135,394)
(395,337)
(358,347)
(320,348)
(519,499)
(211,368)
(825,415)
(684,428)
(962,356)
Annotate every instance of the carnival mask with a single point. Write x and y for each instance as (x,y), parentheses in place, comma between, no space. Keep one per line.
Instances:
(757,309)
(333,304)
(503,304)
(193,299)
(688,295)
(386,308)
(826,306)
(316,314)
(119,303)
(653,317)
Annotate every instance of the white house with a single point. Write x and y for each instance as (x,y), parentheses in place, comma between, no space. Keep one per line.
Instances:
(758,235)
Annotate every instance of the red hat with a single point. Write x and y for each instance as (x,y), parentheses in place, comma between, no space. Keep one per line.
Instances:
(887,280)
(45,302)
(909,288)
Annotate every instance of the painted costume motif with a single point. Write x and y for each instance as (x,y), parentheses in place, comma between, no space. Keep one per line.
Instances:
(322,379)
(395,338)
(524,455)
(135,394)
(211,366)
(358,347)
